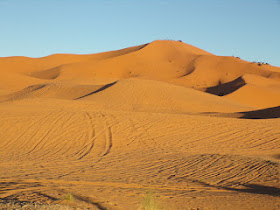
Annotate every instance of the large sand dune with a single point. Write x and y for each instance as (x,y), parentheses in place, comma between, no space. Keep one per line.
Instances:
(195,129)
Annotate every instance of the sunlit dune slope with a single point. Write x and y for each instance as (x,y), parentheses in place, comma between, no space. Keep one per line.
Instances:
(257,92)
(19,72)
(147,95)
(132,95)
(168,61)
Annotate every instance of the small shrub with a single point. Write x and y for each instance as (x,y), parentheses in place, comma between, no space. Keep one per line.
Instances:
(149,203)
(260,63)
(69,197)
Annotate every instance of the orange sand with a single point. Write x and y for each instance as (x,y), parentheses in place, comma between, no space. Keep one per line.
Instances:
(195,129)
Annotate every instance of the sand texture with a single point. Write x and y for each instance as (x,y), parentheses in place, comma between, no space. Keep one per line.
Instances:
(164,124)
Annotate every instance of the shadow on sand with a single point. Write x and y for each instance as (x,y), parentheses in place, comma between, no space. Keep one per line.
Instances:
(249,188)
(96,91)
(257,189)
(22,193)
(269,113)
(226,88)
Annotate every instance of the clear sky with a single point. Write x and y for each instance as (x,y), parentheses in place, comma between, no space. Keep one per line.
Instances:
(249,29)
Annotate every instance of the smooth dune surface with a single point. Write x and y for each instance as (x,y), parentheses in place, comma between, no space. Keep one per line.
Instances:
(164,122)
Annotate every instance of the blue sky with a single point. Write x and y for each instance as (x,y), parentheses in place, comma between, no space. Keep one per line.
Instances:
(249,29)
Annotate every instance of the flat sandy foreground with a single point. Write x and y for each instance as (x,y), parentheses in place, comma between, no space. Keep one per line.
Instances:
(164,125)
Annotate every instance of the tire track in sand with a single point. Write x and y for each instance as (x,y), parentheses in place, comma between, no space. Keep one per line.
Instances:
(91,138)
(108,136)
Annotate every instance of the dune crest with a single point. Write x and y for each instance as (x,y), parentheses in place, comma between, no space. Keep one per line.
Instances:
(168,61)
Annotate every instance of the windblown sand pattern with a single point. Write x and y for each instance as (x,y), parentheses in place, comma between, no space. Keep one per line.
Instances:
(99,131)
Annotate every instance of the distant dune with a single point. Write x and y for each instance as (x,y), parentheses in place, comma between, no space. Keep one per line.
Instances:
(164,119)
(167,61)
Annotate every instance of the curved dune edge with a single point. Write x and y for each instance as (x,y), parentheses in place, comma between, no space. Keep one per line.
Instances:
(131,95)
(168,61)
(257,92)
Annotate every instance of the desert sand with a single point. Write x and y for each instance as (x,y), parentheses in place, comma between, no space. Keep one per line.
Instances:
(163,123)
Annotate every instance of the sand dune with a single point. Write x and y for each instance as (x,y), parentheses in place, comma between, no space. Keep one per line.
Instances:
(53,90)
(194,129)
(155,96)
(257,92)
(132,95)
